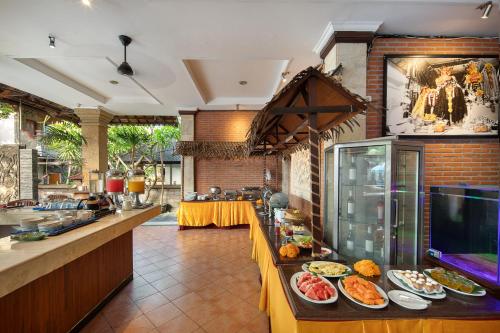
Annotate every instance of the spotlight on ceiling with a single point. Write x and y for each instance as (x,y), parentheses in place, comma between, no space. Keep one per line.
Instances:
(486,8)
(283,76)
(52,41)
(87,3)
(125,68)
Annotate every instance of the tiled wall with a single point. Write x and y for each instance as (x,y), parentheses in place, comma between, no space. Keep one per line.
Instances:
(234,174)
(447,161)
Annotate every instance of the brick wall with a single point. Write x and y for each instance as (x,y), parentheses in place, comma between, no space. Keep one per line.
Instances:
(222,125)
(447,161)
(234,174)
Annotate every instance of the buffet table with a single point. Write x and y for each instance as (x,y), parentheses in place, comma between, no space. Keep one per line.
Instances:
(220,213)
(288,313)
(56,284)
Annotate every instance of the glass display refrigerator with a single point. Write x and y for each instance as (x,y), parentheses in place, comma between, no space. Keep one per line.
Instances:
(464,230)
(374,206)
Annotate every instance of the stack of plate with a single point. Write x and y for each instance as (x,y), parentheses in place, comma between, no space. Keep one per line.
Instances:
(84,215)
(31,223)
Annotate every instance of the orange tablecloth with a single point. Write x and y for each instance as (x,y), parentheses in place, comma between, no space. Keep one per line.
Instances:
(220,213)
(273,300)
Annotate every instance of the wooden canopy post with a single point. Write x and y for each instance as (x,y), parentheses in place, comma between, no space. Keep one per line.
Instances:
(317,227)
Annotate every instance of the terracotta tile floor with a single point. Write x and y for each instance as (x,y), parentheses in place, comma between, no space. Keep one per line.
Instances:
(187,281)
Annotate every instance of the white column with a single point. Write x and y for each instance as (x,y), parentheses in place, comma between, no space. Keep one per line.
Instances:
(94,124)
(187,134)
(353,57)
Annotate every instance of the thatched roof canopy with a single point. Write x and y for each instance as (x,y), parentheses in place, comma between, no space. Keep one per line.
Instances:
(284,121)
(282,125)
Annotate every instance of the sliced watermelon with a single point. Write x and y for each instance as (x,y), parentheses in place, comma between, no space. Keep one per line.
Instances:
(312,295)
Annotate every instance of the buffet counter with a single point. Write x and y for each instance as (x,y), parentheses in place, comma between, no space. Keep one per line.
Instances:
(66,275)
(220,213)
(289,313)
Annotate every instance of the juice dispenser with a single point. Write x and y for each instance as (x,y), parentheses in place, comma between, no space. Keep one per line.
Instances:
(96,182)
(114,184)
(136,181)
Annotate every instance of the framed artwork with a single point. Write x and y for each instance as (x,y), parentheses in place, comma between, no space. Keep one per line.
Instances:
(440,95)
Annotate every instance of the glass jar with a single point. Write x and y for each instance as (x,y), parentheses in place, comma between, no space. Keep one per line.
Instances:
(114,181)
(96,182)
(135,181)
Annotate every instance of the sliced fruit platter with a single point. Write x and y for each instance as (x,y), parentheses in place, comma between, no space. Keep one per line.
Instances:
(326,268)
(455,282)
(363,292)
(416,283)
(313,288)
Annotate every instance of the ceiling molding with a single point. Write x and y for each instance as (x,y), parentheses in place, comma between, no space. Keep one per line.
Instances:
(60,77)
(357,37)
(197,84)
(345,32)
(325,37)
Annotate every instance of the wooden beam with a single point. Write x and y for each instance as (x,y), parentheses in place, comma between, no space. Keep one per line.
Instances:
(313,109)
(292,133)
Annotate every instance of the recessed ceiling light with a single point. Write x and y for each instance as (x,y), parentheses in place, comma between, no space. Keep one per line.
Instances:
(243,82)
(87,3)
(113,82)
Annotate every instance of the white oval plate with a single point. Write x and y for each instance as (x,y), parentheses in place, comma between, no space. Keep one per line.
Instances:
(376,307)
(293,283)
(482,292)
(305,268)
(408,304)
(402,285)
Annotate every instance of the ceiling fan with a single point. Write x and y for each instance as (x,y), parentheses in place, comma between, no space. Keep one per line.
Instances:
(125,68)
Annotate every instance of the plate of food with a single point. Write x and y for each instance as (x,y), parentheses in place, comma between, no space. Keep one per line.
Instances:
(313,288)
(363,292)
(326,268)
(304,242)
(455,282)
(298,229)
(416,283)
(325,252)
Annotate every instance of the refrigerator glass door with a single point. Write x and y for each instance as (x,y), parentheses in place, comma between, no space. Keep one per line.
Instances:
(361,202)
(329,195)
(405,201)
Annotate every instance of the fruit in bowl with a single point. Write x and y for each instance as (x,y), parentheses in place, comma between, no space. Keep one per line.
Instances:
(290,250)
(367,267)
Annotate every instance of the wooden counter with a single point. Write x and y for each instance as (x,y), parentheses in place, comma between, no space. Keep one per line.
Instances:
(289,313)
(54,284)
(274,243)
(454,306)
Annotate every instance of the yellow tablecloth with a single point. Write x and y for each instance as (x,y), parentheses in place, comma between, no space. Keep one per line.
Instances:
(220,213)
(273,300)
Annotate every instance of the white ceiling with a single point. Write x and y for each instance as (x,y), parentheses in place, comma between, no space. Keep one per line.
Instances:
(191,54)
